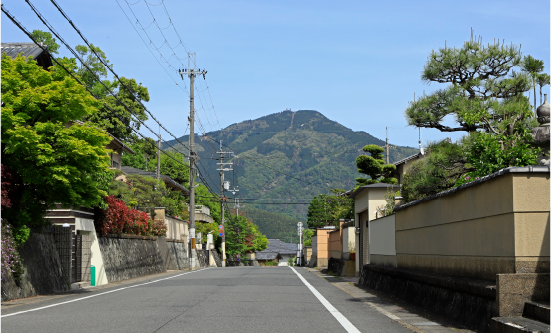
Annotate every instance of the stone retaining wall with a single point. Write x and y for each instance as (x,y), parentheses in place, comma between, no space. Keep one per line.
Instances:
(202,258)
(216,258)
(173,253)
(180,254)
(127,256)
(43,273)
(464,301)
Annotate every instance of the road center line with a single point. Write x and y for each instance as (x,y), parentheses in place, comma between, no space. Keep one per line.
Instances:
(107,292)
(342,319)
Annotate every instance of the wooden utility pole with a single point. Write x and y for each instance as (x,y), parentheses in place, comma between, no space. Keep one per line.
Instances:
(191,72)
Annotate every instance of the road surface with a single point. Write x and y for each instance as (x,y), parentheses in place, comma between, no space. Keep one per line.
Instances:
(232,299)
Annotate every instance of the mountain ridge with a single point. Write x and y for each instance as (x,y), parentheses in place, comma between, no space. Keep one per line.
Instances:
(288,156)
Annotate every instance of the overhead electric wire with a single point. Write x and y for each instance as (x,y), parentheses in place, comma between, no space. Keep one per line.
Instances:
(128,89)
(50,27)
(201,126)
(20,26)
(184,90)
(107,66)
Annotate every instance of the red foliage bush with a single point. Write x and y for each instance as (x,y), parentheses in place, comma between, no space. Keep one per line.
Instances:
(158,228)
(119,219)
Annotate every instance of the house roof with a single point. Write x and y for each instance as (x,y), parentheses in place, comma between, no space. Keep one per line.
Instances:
(169,181)
(277,247)
(404,160)
(376,185)
(267,255)
(124,147)
(28,49)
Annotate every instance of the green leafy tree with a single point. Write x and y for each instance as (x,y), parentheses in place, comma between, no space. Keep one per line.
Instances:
(50,162)
(326,210)
(205,229)
(46,38)
(172,165)
(486,98)
(130,94)
(533,67)
(145,151)
(307,236)
(374,166)
(484,88)
(93,79)
(105,118)
(242,236)
(444,165)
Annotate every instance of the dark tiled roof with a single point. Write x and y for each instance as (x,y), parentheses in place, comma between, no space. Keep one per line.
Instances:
(276,248)
(28,49)
(404,160)
(530,169)
(169,181)
(266,255)
(379,185)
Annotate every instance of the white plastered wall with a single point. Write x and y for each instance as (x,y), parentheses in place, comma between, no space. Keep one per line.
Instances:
(382,239)
(96,258)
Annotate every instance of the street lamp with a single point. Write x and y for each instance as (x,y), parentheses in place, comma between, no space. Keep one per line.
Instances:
(299,246)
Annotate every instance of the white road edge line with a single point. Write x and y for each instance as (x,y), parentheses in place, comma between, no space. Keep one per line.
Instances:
(342,319)
(107,292)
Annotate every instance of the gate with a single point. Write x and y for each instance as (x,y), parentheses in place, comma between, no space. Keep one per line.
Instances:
(364,238)
(76,272)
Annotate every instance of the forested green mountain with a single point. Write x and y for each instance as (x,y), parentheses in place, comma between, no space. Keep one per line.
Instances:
(285,157)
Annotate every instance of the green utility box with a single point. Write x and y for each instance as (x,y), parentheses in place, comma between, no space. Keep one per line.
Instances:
(92,275)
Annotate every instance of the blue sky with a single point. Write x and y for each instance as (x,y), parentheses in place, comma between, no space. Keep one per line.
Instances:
(356,62)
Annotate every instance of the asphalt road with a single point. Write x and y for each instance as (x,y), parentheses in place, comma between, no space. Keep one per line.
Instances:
(232,299)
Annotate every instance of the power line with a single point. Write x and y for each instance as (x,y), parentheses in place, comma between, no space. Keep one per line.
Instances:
(20,26)
(118,78)
(108,67)
(71,74)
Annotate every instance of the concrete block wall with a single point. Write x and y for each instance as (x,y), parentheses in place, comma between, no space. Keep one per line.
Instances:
(127,257)
(496,225)
(42,270)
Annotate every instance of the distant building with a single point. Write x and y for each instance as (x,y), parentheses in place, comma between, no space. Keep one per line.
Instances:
(277,251)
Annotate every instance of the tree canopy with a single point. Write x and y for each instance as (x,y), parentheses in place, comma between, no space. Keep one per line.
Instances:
(50,162)
(484,88)
(327,210)
(95,79)
(486,97)
(242,236)
(47,39)
(374,166)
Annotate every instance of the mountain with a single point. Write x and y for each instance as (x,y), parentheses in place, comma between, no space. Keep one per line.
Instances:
(285,157)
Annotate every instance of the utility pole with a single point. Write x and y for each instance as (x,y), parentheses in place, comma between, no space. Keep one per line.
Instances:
(191,72)
(299,247)
(386,146)
(158,171)
(222,199)
(236,201)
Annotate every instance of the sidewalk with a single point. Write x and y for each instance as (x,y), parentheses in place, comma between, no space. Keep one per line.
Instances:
(411,317)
